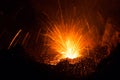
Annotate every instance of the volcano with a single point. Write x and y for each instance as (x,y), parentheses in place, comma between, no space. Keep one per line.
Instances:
(78,40)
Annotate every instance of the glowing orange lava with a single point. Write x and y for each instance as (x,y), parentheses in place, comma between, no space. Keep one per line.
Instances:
(71,49)
(67,40)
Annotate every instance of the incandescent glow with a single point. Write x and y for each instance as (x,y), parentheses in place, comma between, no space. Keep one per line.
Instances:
(67,40)
(71,49)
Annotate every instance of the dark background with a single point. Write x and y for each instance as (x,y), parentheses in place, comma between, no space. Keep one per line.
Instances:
(26,14)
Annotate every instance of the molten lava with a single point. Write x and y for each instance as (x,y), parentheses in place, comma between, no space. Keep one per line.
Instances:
(67,40)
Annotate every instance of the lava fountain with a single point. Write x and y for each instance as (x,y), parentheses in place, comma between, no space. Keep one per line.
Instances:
(66,41)
(69,40)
